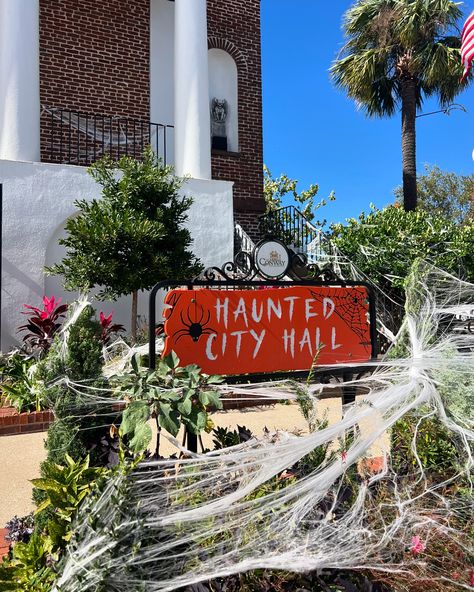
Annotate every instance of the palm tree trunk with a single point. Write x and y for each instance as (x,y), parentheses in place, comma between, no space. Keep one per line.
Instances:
(410,196)
(134,320)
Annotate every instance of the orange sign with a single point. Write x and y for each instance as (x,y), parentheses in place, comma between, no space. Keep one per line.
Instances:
(268,330)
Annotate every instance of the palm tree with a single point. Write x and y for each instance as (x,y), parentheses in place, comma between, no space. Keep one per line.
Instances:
(397,53)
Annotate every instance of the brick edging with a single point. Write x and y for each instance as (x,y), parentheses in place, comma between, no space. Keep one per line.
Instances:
(13,423)
(4,544)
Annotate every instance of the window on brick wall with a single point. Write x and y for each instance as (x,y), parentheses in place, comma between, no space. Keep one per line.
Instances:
(223,101)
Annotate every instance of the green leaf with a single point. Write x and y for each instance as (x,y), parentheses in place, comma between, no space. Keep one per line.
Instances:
(138,412)
(135,362)
(71,462)
(172,396)
(215,379)
(196,421)
(141,438)
(47,485)
(185,407)
(168,419)
(203,398)
(214,399)
(44,504)
(162,369)
(172,360)
(57,532)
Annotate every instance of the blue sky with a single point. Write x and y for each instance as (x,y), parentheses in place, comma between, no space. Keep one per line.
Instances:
(313,133)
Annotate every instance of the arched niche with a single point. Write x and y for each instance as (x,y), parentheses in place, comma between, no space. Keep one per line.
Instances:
(223,86)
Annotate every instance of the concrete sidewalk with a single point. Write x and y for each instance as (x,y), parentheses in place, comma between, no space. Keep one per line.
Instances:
(20,459)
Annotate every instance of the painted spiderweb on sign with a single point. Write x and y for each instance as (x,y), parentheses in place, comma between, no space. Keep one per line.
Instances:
(350,309)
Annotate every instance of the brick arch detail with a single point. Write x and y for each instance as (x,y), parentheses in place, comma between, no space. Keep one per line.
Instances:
(231,49)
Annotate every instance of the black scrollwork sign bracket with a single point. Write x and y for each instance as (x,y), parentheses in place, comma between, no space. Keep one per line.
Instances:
(270,260)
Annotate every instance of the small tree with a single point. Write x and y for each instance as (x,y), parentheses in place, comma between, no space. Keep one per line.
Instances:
(274,190)
(133,237)
(444,193)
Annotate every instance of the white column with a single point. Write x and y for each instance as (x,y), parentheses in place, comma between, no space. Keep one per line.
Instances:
(19,80)
(191,86)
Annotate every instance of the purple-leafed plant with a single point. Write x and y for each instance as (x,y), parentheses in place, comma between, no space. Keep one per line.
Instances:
(108,328)
(20,529)
(43,324)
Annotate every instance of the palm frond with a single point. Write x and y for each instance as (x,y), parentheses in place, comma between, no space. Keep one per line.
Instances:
(387,40)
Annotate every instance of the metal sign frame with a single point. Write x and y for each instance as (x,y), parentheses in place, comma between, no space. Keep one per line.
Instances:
(245,283)
(244,273)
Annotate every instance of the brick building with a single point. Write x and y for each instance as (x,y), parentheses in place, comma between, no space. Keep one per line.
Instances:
(101,60)
(80,78)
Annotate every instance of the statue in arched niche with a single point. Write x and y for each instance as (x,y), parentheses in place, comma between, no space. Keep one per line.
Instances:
(219,113)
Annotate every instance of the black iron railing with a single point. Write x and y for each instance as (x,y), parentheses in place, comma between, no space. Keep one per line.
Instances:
(242,241)
(80,138)
(290,226)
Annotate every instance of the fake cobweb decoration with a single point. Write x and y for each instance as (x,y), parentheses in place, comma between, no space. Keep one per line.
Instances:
(174,523)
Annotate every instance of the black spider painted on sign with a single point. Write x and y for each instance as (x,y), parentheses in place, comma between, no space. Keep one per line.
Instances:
(196,322)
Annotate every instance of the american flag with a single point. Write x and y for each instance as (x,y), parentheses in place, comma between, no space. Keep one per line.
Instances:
(467,46)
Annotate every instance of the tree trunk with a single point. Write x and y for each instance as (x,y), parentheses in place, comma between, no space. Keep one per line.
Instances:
(410,194)
(134,320)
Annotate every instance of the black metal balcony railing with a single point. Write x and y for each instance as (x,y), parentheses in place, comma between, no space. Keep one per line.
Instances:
(289,225)
(79,138)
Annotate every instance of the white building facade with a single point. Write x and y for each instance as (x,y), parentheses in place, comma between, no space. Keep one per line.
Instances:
(44,149)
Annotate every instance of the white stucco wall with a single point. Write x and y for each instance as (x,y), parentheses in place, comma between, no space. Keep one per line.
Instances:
(223,84)
(37,200)
(162,69)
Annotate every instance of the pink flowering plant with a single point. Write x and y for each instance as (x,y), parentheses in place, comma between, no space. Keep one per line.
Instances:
(43,324)
(417,545)
(108,328)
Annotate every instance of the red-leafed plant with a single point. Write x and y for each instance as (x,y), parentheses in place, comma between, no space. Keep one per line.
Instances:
(43,324)
(108,328)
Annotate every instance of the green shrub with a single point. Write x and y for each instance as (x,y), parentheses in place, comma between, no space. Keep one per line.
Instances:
(436,447)
(28,570)
(455,382)
(32,565)
(175,395)
(224,437)
(18,386)
(64,488)
(79,428)
(385,243)
(82,361)
(84,347)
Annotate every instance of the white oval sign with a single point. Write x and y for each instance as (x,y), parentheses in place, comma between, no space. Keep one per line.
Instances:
(272,259)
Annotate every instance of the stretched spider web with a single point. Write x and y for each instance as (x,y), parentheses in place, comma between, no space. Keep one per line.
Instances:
(174,523)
